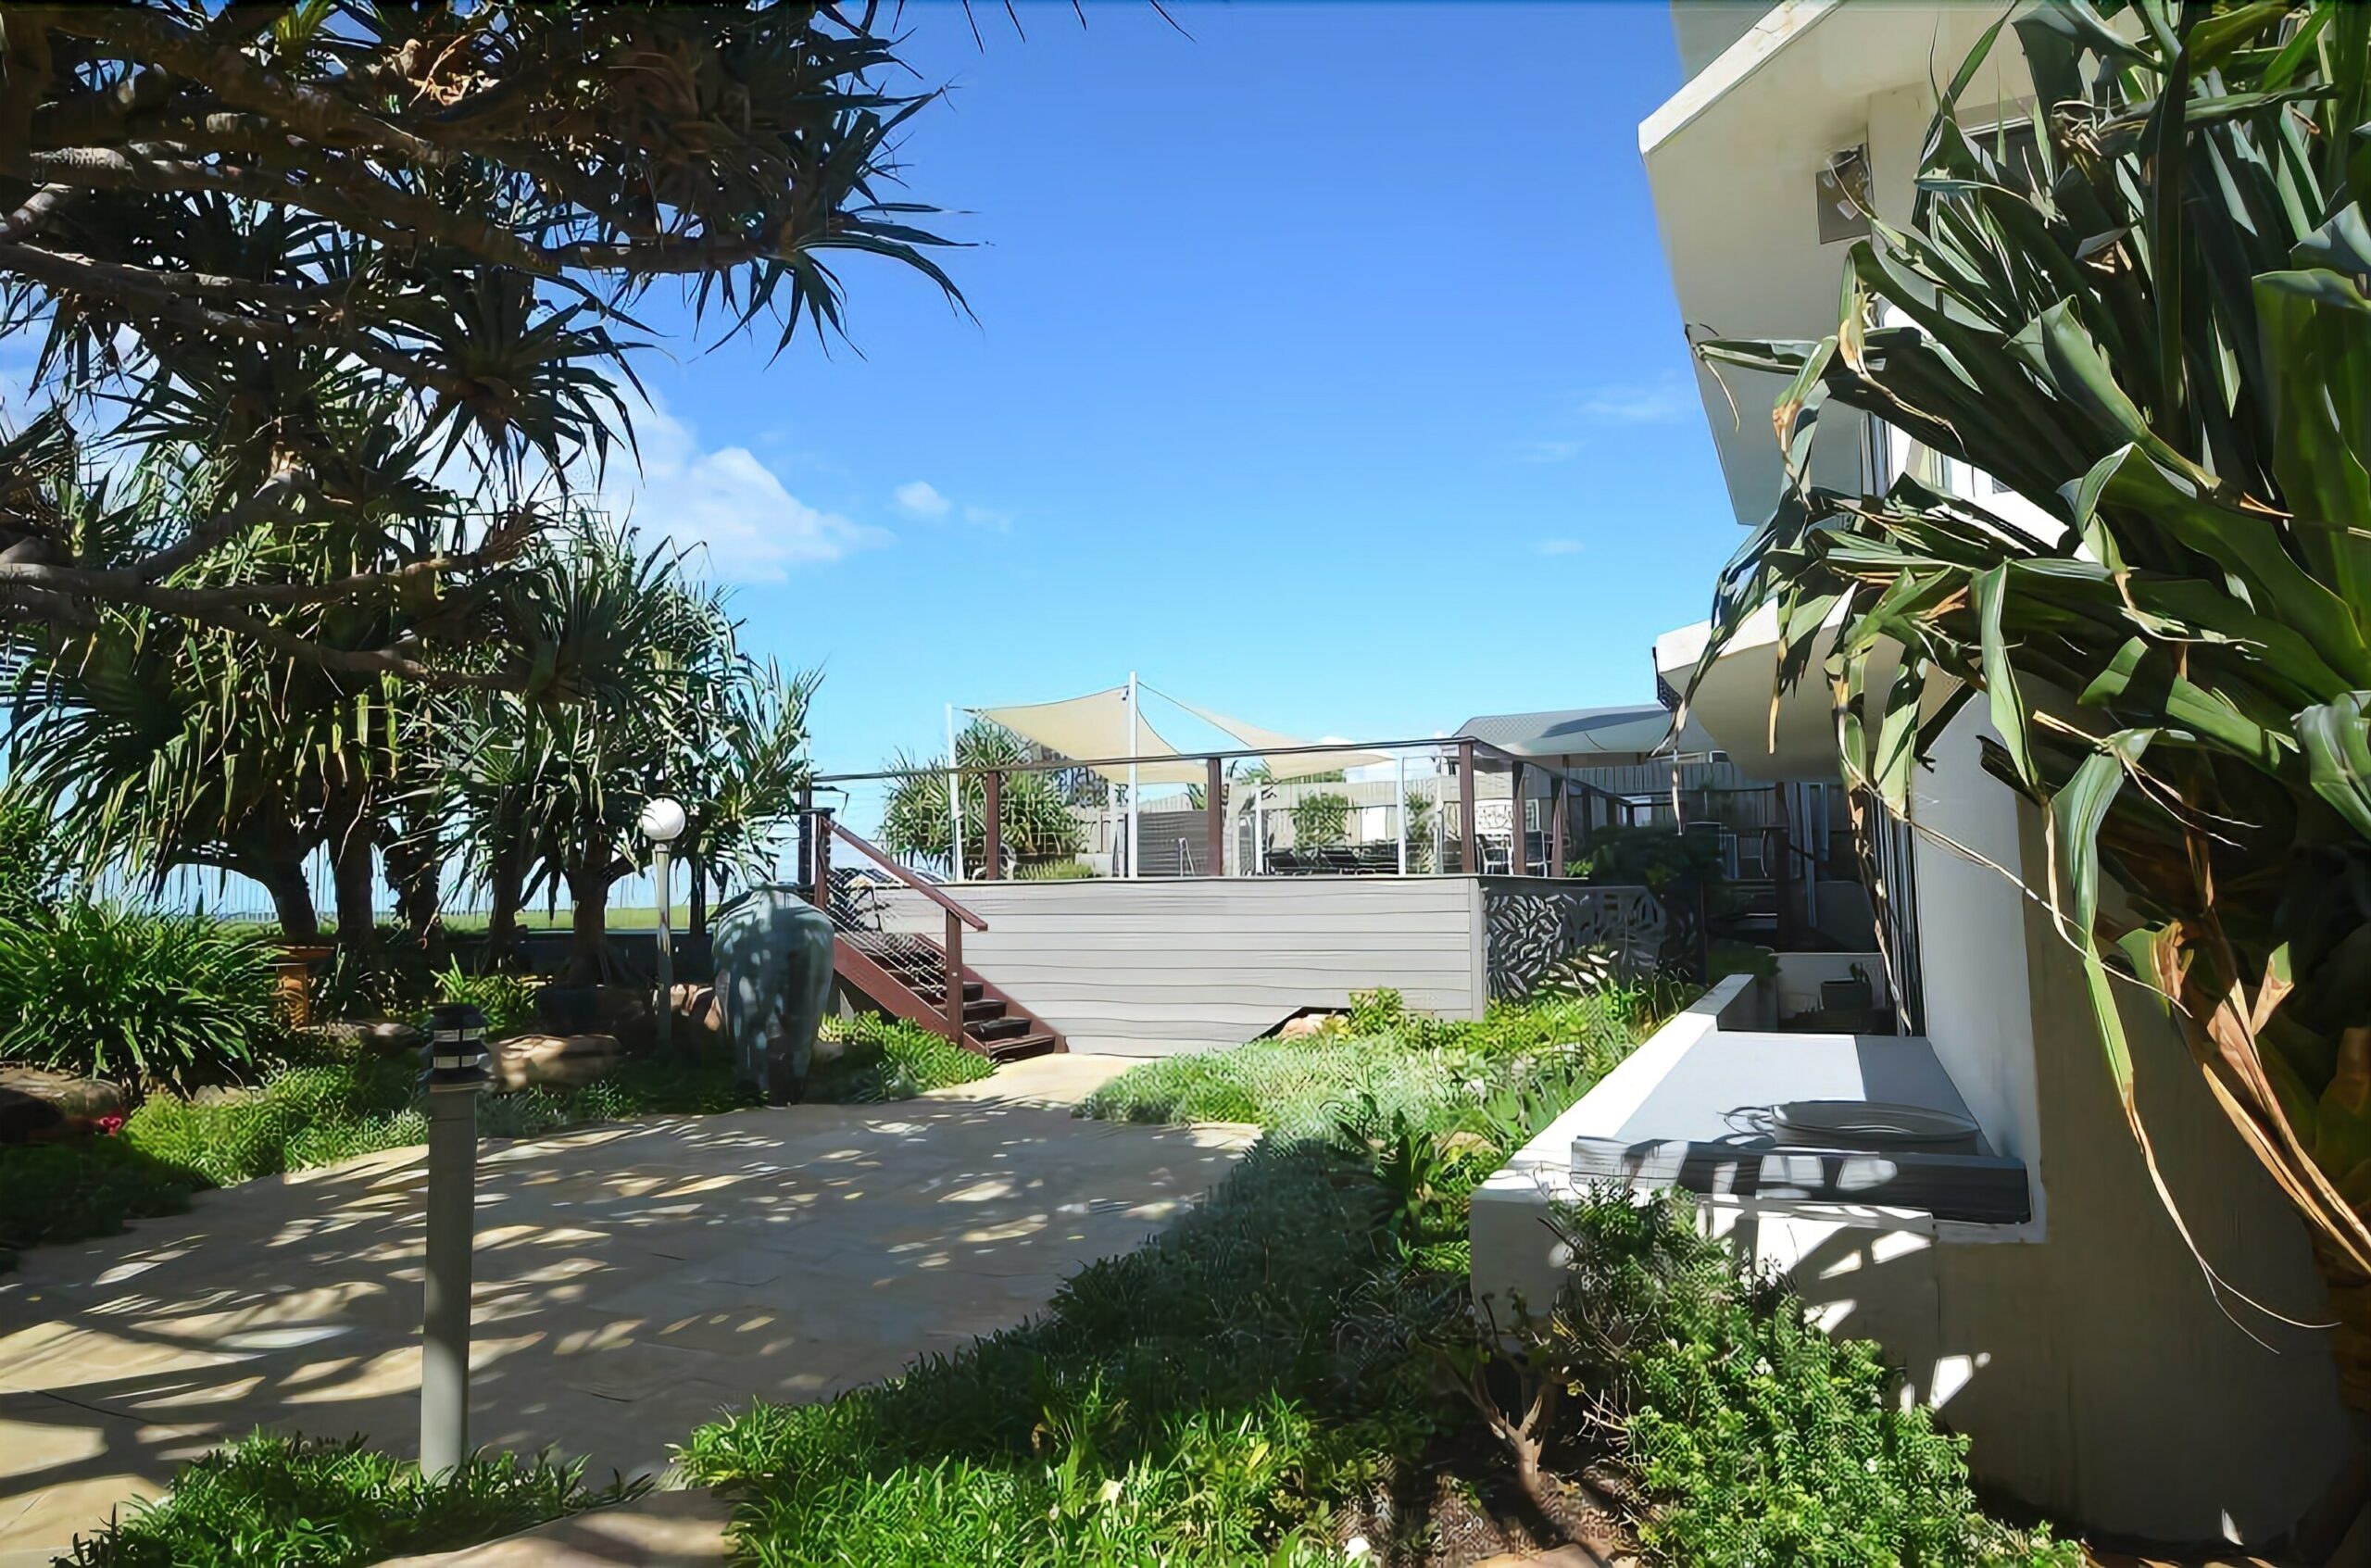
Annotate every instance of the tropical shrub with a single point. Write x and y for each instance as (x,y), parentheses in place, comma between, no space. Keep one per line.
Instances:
(1755,1437)
(112,992)
(306,1502)
(507,1000)
(1320,820)
(1034,816)
(1646,857)
(2146,329)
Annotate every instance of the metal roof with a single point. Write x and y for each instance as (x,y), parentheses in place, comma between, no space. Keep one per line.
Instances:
(1630,734)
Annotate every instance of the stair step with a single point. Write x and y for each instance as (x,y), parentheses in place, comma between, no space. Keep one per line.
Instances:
(983,1009)
(934,989)
(1027,1046)
(998,1028)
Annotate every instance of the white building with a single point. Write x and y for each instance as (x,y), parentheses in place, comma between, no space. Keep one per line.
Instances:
(2081,1350)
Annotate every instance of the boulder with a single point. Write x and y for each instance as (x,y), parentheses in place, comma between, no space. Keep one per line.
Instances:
(524,1060)
(1307,1023)
(38,1106)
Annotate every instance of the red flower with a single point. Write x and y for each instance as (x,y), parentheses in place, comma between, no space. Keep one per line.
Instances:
(106,1126)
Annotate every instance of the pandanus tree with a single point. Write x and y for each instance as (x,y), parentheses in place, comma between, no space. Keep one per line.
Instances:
(1033,816)
(450,203)
(2148,323)
(544,791)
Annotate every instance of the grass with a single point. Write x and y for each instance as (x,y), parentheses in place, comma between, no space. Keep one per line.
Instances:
(883,1059)
(1423,1066)
(293,1502)
(1211,1398)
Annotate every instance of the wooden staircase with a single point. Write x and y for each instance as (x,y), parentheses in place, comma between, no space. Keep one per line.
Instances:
(905,976)
(906,973)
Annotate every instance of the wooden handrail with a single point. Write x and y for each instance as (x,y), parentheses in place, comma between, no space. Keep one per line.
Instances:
(840,830)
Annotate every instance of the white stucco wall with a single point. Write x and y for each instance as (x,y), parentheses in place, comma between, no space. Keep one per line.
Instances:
(2090,1361)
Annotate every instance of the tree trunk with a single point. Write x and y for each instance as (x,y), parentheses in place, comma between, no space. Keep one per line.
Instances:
(417,880)
(696,913)
(292,896)
(355,875)
(589,959)
(505,879)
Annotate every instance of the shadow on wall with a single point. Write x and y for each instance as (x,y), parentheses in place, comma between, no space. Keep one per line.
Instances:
(2096,1372)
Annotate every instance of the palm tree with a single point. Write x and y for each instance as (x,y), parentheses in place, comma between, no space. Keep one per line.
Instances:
(545,791)
(1034,818)
(450,207)
(2153,329)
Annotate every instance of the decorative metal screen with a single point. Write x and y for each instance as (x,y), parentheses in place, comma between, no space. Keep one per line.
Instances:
(1527,929)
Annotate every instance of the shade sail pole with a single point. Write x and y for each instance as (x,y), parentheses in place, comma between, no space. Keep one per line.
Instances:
(1136,735)
(954,800)
(1399,809)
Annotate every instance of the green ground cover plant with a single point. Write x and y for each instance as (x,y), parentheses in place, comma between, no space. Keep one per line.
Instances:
(295,1502)
(1402,1060)
(881,1059)
(1755,1437)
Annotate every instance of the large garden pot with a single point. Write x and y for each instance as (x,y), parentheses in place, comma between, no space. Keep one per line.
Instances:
(292,976)
(773,980)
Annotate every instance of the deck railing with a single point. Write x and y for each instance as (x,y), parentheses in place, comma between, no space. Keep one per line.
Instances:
(852,911)
(1458,806)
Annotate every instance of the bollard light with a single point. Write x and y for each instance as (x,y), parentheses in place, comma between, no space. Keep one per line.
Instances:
(454,1071)
(662,823)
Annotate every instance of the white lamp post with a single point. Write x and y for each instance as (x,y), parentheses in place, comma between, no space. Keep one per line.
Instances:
(662,823)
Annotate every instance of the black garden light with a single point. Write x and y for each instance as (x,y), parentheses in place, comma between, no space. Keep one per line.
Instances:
(455,1071)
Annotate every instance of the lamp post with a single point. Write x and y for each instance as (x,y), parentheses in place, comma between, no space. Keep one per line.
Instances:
(454,1074)
(662,823)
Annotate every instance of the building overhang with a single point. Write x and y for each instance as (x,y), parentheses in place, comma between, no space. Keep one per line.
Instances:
(1770,732)
(1733,160)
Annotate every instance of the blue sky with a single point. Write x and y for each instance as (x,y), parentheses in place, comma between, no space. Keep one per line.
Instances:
(1325,371)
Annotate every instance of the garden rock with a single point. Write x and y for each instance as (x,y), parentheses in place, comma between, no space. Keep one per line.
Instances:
(383,1036)
(37,1105)
(525,1060)
(83,1099)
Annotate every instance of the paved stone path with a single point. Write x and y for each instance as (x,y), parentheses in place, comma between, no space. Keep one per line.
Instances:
(632,1282)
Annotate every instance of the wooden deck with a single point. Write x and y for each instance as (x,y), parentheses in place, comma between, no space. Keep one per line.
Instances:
(1155,967)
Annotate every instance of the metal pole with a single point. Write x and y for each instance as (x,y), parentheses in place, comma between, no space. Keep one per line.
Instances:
(662,873)
(1136,741)
(954,800)
(455,1071)
(1400,759)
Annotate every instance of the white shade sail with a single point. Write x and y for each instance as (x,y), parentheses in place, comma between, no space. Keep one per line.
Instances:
(1288,766)
(1097,726)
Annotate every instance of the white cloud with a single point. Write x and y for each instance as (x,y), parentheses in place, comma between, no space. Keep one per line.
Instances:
(918,499)
(1559,547)
(726,505)
(1669,399)
(1666,400)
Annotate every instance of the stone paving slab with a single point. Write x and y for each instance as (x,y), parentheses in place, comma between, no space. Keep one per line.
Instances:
(631,1281)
